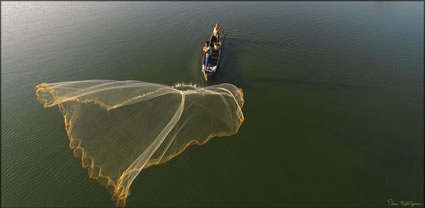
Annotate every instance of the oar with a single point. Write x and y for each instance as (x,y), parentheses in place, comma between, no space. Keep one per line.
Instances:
(223,32)
(227,34)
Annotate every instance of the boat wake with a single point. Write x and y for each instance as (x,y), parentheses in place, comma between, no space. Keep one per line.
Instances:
(118,128)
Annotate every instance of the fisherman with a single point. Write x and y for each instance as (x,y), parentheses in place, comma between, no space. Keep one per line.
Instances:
(206,48)
(216,37)
(217,45)
(207,52)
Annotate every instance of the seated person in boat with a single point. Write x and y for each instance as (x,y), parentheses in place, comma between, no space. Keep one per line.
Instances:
(217,45)
(216,37)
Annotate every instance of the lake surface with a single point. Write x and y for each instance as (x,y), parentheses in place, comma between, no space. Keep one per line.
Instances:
(334,100)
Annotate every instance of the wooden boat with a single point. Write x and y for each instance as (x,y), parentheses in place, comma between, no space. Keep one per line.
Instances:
(210,71)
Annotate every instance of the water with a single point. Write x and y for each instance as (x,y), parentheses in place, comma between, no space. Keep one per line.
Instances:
(334,92)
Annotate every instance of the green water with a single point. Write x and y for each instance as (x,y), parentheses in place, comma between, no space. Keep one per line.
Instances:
(334,100)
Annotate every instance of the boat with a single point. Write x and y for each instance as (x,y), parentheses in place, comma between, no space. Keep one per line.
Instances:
(210,71)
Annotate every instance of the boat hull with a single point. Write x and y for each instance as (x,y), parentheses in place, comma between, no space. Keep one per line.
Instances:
(209,72)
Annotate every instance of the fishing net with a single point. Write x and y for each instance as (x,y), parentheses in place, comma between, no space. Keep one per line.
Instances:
(118,128)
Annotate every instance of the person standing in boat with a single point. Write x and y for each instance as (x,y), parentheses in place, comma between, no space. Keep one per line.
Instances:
(216,37)
(207,52)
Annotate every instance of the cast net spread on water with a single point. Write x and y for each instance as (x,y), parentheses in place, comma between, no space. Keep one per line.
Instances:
(118,128)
